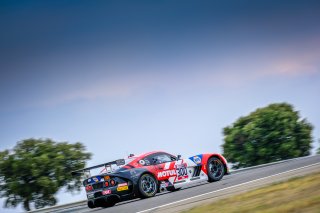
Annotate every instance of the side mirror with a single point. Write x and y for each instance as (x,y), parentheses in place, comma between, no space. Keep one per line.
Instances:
(178,157)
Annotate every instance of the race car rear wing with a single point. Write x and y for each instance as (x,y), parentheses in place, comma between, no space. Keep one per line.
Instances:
(107,167)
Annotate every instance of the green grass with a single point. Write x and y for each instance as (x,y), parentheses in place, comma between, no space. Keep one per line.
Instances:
(295,195)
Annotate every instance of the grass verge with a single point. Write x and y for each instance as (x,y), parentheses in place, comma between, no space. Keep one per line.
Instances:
(300,194)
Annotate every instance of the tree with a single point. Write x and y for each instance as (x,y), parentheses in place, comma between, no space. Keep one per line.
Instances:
(269,134)
(36,169)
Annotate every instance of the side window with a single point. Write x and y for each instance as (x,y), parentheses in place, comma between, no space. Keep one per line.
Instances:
(161,158)
(145,162)
(148,160)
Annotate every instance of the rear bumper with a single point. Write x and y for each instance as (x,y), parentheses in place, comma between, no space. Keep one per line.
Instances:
(103,200)
(109,198)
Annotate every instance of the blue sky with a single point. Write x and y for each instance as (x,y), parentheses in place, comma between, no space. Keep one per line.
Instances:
(133,76)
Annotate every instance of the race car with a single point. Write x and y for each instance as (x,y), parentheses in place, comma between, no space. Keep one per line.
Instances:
(147,174)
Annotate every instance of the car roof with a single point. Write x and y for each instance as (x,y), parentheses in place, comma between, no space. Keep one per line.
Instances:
(148,153)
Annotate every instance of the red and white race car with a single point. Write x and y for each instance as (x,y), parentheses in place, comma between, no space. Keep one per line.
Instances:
(146,174)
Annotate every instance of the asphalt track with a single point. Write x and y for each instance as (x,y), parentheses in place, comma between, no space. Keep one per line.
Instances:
(204,192)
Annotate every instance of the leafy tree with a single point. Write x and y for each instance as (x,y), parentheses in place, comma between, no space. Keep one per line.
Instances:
(318,152)
(36,169)
(269,134)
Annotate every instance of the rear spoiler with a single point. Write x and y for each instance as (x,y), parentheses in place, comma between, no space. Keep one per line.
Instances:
(83,171)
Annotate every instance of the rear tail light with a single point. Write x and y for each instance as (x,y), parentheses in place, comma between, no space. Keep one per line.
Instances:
(113,182)
(89,188)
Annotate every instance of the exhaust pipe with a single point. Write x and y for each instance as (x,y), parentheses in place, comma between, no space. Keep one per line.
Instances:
(162,189)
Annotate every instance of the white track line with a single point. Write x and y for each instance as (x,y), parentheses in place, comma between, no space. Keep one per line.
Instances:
(179,201)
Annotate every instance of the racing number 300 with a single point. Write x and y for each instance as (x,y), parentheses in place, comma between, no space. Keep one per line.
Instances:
(182,172)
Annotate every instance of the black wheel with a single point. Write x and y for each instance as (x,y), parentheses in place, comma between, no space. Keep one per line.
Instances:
(148,186)
(91,205)
(215,169)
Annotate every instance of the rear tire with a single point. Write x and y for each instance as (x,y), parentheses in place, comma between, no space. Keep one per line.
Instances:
(91,205)
(148,186)
(215,169)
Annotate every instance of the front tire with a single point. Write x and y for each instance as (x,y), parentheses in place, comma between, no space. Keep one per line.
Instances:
(148,186)
(215,169)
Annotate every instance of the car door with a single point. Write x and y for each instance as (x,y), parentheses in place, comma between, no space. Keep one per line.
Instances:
(164,165)
(181,168)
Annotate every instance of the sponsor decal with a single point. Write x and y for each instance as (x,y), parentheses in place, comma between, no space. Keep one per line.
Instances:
(122,187)
(197,159)
(142,162)
(90,196)
(167,173)
(182,172)
(106,192)
(94,179)
(163,184)
(133,173)
(122,184)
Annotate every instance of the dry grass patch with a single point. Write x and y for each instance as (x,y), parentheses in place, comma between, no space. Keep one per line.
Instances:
(295,195)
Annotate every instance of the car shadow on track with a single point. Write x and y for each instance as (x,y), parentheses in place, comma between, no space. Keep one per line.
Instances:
(164,193)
